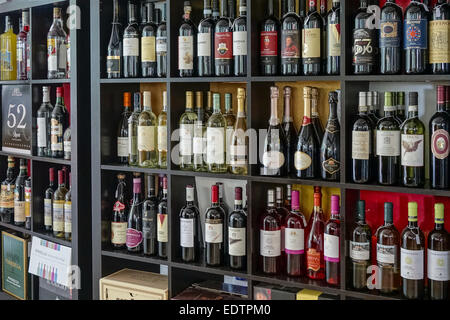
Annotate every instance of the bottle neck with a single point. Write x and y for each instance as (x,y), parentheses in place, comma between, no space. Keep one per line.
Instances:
(274,112)
(287,109)
(291,6)
(270,8)
(336,4)
(413,112)
(207,10)
(363,110)
(115,12)
(237,205)
(224,9)
(241,111)
(60,100)
(243,8)
(389,111)
(333,110)
(307,111)
(312,6)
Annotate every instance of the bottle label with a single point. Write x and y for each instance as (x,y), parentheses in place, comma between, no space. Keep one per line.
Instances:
(132,141)
(240,43)
(440,144)
(313,259)
(68,217)
(119,233)
(331,248)
(273,160)
(199,145)
(214,231)
(48,213)
(360,145)
(148,48)
(386,254)
(388,143)
(290,46)
(415,34)
(223,46)
(113,64)
(204,44)
(389,34)
(187,233)
(334,40)
(186,133)
(58,215)
(41,132)
(7,197)
(56,53)
(238,154)
(67,146)
(294,240)
(162,138)
(130,47)
(302,160)
(27,202)
(163,234)
(149,224)
(412,264)
(215,145)
(438,265)
(122,146)
(146,138)
(440,41)
(19,211)
(412,150)
(363,46)
(311,45)
(237,241)
(56,135)
(331,166)
(360,250)
(185,52)
(161,46)
(270,243)
(269,43)
(133,238)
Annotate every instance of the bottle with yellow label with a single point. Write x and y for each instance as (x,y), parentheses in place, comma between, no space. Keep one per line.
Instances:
(8,52)
(147,135)
(59,199)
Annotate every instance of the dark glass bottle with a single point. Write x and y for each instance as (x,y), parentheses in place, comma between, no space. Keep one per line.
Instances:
(223,44)
(290,131)
(190,230)
(439,144)
(215,10)
(134,236)
(214,230)
(148,43)
(312,41)
(240,41)
(122,131)
(269,43)
(131,63)
(149,212)
(48,201)
(364,42)
(187,36)
(58,122)
(315,118)
(294,239)
(237,233)
(43,121)
(330,151)
(119,217)
(372,103)
(332,244)
(205,42)
(439,30)
(161,45)
(114,54)
(7,193)
(163,222)
(291,24)
(390,38)
(333,37)
(415,41)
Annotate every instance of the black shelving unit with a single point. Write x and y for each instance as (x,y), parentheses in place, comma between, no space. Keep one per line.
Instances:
(41,18)
(106,101)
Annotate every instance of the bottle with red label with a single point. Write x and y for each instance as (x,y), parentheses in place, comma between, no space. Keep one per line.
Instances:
(332,244)
(223,44)
(119,218)
(134,228)
(315,267)
(269,57)
(291,43)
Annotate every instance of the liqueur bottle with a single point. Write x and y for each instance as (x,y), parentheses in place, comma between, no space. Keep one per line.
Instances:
(199,140)
(133,123)
(187,35)
(161,45)
(131,54)
(330,148)
(332,244)
(240,41)
(163,222)
(215,139)
(412,148)
(8,49)
(214,230)
(43,120)
(58,123)
(205,42)
(239,142)
(23,48)
(48,201)
(119,216)
(190,231)
(68,212)
(290,131)
(360,248)
(364,42)
(59,198)
(223,44)
(315,266)
(187,121)
(149,218)
(333,36)
(439,35)
(56,48)
(148,43)
(134,237)
(237,233)
(114,53)
(291,24)
(230,121)
(147,135)
(390,38)
(162,134)
(7,194)
(269,43)
(415,41)
(312,41)
(294,240)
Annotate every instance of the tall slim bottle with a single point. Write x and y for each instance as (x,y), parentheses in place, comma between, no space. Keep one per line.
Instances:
(315,264)
(19,195)
(7,193)
(269,43)
(162,226)
(56,48)
(332,244)
(330,150)
(215,139)
(59,121)
(199,139)
(162,134)
(290,131)
(48,201)
(8,52)
(133,122)
(223,44)
(122,131)
(23,48)
(364,42)
(148,43)
(187,122)
(190,230)
(239,142)
(68,211)
(149,218)
(131,54)
(237,233)
(312,41)
(114,54)
(161,45)
(119,216)
(43,121)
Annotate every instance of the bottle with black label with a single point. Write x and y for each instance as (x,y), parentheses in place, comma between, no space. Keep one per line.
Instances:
(364,42)
(149,212)
(331,146)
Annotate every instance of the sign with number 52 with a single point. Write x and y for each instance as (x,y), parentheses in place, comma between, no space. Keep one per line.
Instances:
(16,119)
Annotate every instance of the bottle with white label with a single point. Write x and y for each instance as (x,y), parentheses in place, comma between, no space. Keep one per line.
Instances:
(413,146)
(237,233)
(147,135)
(215,139)
(199,139)
(438,254)
(162,134)
(133,122)
(214,230)
(205,42)
(19,195)
(190,231)
(59,199)
(238,143)
(56,48)
(58,123)
(131,63)
(230,120)
(187,36)
(240,41)
(360,248)
(332,244)
(412,257)
(187,122)
(122,131)
(43,124)
(388,144)
(388,243)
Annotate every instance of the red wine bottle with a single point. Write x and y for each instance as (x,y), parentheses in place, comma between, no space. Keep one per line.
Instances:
(214,230)
(161,45)
(333,36)
(290,131)
(312,41)
(330,150)
(163,221)
(187,35)
(148,43)
(223,44)
(134,229)
(390,38)
(190,230)
(364,42)
(291,24)
(131,63)
(269,43)
(149,222)
(237,233)
(332,244)
(205,42)
(415,41)
(439,59)
(119,218)
(240,41)
(295,239)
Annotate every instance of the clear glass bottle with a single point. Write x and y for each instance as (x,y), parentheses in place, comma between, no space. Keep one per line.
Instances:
(230,120)
(239,142)
(43,117)
(58,122)
(133,122)
(122,131)
(199,140)
(23,48)
(147,135)
(215,139)
(67,144)
(56,48)
(162,134)
(59,199)
(187,121)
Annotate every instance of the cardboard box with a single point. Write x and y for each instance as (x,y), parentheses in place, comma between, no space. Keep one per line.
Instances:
(128,284)
(272,292)
(307,294)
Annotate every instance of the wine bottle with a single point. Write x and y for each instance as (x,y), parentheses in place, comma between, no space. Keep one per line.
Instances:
(162,134)
(388,144)
(143,14)
(312,41)
(43,120)
(412,149)
(294,233)
(412,256)
(275,146)
(59,198)
(388,241)
(439,29)
(215,139)
(68,211)
(331,146)
(199,140)
(214,230)
(390,38)
(190,233)
(161,45)
(56,48)
(239,142)
(439,141)
(147,135)
(332,244)
(364,42)
(114,52)
(315,240)
(315,118)
(283,212)
(19,195)
(333,36)
(187,36)
(438,252)
(48,201)
(23,48)
(240,41)
(67,144)
(290,131)
(270,237)
(187,121)
(148,43)
(7,194)
(415,41)
(122,132)
(291,24)
(230,121)
(223,44)
(307,156)
(269,43)
(237,233)
(149,218)
(209,105)
(205,41)
(134,236)
(131,35)
(119,216)
(163,222)
(58,122)
(133,122)
(360,248)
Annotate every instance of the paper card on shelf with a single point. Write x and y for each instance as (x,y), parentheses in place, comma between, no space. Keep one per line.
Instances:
(51,261)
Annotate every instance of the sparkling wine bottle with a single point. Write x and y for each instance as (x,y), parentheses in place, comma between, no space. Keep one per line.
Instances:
(331,146)
(290,131)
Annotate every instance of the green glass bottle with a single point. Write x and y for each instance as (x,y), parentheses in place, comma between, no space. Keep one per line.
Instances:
(230,120)
(412,146)
(215,139)
(147,135)
(133,131)
(401,106)
(162,134)
(187,121)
